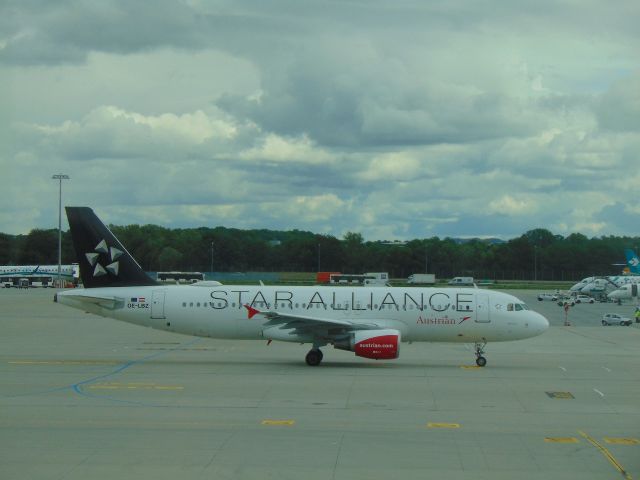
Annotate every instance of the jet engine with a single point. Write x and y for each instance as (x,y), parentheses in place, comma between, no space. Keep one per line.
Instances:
(375,344)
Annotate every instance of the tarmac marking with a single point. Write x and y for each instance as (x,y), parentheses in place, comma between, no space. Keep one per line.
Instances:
(598,392)
(622,441)
(470,367)
(607,454)
(561,395)
(134,386)
(607,369)
(285,423)
(443,425)
(561,439)
(60,362)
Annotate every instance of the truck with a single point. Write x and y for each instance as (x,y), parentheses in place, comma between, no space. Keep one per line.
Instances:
(370,278)
(422,278)
(325,277)
(461,281)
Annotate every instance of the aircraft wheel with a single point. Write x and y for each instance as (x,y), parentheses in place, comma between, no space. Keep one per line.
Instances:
(313,358)
(481,361)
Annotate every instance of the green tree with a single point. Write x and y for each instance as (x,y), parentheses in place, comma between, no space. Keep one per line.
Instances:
(40,247)
(169,259)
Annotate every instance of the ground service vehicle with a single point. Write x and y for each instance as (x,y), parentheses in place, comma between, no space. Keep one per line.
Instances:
(461,281)
(547,296)
(584,299)
(422,278)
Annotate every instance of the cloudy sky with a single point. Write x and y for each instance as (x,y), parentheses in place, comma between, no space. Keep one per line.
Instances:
(399,120)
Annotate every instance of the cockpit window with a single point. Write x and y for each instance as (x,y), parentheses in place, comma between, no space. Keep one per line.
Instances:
(517,307)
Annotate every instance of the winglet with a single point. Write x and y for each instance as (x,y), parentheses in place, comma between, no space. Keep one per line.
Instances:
(251,311)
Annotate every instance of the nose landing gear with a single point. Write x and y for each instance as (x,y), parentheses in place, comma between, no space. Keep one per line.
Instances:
(480,360)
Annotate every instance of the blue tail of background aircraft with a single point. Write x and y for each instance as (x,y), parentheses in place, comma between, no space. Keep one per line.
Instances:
(633,262)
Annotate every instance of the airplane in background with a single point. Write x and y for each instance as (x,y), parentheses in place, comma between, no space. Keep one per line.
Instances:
(369,321)
(625,292)
(12,275)
(611,283)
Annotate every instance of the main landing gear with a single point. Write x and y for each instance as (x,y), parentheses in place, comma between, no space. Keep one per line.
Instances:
(480,360)
(314,357)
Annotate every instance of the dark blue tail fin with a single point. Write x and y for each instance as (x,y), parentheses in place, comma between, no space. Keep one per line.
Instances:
(103,261)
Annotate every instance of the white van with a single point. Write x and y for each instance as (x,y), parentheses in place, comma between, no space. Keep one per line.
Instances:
(461,281)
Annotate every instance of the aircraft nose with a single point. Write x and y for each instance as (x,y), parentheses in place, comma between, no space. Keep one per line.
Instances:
(541,323)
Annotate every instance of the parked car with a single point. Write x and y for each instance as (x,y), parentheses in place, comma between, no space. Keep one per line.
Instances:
(584,299)
(565,299)
(547,296)
(615,319)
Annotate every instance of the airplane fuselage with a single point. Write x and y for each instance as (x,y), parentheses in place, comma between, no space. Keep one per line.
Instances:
(67,271)
(419,314)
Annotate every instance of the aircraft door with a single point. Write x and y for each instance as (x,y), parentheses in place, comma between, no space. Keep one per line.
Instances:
(482,308)
(157,304)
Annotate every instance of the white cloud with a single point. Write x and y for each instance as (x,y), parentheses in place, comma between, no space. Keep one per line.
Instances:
(416,120)
(508,205)
(274,148)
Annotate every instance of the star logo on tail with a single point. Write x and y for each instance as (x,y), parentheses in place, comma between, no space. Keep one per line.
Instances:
(103,251)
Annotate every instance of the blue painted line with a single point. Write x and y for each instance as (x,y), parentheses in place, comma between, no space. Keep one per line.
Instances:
(77,387)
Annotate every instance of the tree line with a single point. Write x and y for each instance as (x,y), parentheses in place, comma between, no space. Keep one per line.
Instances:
(537,254)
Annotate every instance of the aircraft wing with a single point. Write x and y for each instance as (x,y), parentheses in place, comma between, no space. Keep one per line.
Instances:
(308,324)
(105,301)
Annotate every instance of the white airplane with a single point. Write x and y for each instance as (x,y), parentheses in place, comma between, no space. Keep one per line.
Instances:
(66,271)
(625,292)
(370,321)
(607,284)
(13,275)
(591,285)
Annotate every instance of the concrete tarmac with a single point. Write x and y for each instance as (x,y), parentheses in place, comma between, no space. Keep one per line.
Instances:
(88,397)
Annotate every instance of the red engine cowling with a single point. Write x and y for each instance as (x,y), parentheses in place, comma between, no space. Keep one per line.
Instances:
(376,344)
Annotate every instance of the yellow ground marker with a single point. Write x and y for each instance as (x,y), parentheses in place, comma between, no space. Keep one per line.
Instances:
(561,439)
(607,454)
(285,423)
(442,425)
(622,441)
(470,367)
(560,395)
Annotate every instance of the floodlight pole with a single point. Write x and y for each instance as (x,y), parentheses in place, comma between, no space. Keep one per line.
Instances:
(60,177)
(212,259)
